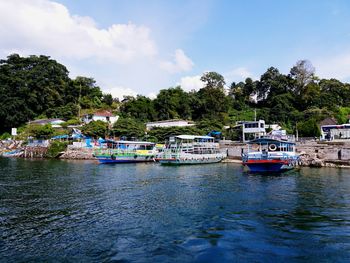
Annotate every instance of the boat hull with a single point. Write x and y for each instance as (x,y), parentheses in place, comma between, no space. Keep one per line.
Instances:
(268,166)
(189,161)
(109,160)
(130,158)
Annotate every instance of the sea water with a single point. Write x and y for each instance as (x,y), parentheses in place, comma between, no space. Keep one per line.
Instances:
(80,211)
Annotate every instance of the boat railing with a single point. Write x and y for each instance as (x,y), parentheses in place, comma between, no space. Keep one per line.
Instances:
(110,151)
(267,156)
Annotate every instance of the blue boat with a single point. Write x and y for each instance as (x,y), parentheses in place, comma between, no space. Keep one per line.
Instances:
(268,154)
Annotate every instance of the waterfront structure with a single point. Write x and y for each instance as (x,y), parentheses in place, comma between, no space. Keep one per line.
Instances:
(335,132)
(168,123)
(191,149)
(269,154)
(252,129)
(126,152)
(102,115)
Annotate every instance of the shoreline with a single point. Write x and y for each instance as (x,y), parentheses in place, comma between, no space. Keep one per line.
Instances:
(312,154)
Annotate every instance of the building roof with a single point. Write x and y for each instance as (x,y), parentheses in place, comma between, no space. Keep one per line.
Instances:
(167,121)
(328,121)
(46,121)
(103,113)
(192,137)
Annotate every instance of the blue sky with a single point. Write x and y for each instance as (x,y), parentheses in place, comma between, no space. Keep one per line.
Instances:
(140,47)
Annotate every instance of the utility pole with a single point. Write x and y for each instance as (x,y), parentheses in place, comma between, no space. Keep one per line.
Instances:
(79,101)
(296,132)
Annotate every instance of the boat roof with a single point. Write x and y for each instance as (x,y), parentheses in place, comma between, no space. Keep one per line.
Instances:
(192,137)
(268,140)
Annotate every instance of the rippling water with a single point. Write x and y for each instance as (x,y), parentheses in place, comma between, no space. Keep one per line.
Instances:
(81,211)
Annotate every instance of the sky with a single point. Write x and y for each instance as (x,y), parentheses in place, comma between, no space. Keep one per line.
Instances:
(135,47)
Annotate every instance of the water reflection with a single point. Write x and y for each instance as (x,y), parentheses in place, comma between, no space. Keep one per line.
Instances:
(80,211)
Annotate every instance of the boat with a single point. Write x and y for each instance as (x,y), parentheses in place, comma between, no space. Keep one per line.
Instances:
(126,152)
(268,154)
(13,153)
(190,149)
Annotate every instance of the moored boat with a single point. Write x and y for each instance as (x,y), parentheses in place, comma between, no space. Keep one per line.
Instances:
(191,149)
(126,152)
(270,155)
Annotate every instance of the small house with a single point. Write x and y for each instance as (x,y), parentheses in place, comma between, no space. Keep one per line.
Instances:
(102,115)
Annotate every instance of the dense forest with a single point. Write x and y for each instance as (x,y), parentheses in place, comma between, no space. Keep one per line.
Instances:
(39,87)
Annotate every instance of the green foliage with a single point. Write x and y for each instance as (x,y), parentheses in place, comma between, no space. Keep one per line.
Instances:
(55,148)
(343,114)
(41,131)
(65,112)
(5,136)
(37,85)
(308,128)
(129,128)
(95,129)
(172,103)
(141,108)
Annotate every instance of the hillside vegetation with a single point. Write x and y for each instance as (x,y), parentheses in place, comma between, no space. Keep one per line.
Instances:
(39,87)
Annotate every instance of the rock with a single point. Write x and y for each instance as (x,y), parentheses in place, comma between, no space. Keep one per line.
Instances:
(317,163)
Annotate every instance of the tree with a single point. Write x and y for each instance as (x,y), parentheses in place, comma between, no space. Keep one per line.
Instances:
(85,88)
(308,128)
(303,72)
(271,83)
(213,80)
(129,127)
(212,98)
(28,87)
(41,131)
(141,108)
(107,99)
(172,103)
(95,129)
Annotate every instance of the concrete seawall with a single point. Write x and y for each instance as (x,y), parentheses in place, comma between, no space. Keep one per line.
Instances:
(311,153)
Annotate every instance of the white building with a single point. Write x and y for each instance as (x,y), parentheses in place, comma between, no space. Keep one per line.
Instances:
(252,129)
(102,115)
(168,123)
(335,132)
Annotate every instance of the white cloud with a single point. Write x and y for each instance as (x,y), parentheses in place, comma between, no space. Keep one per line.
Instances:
(42,26)
(152,95)
(181,63)
(190,83)
(238,74)
(119,92)
(337,66)
(125,56)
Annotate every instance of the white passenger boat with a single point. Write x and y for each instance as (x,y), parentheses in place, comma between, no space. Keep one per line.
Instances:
(191,149)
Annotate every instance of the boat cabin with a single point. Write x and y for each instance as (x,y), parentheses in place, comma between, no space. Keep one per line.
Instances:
(192,144)
(270,145)
(130,145)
